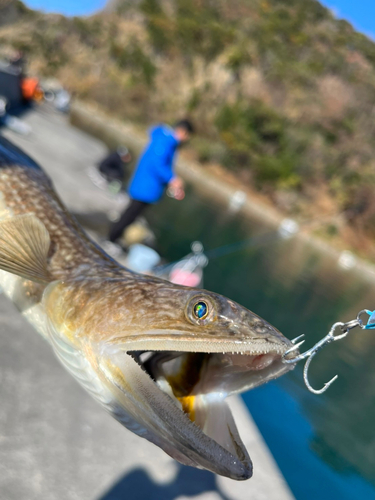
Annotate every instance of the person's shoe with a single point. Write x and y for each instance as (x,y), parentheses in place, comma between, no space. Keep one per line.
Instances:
(97,178)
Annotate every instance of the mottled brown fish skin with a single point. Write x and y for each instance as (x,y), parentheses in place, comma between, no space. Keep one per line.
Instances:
(25,190)
(122,310)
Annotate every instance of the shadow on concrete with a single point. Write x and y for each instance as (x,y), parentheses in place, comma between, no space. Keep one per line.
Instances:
(138,485)
(20,110)
(94,221)
(16,112)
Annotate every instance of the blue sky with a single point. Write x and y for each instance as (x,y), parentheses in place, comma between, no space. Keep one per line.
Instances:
(67,7)
(360,13)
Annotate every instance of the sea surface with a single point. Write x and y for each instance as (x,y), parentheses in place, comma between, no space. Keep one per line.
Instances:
(324,445)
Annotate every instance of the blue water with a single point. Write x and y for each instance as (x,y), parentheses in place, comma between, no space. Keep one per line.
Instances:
(288,433)
(324,445)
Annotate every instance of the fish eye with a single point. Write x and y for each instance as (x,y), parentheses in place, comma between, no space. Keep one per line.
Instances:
(200,310)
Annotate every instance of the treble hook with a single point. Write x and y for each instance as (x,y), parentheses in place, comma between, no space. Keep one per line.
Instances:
(310,353)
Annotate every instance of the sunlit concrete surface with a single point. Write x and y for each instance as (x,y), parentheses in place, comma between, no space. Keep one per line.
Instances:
(56,443)
(66,154)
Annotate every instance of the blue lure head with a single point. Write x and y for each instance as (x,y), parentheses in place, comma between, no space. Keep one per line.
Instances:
(371,321)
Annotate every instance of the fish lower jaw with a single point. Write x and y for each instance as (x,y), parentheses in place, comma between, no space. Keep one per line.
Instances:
(199,383)
(178,393)
(197,431)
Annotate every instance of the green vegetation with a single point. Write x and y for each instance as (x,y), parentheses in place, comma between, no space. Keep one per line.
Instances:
(258,137)
(281,92)
(134,59)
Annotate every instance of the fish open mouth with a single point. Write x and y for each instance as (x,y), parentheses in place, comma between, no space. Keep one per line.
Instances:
(191,374)
(198,384)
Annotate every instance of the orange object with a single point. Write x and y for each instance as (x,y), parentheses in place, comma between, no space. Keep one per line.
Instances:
(29,87)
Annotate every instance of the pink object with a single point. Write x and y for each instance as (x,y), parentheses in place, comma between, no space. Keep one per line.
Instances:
(186,278)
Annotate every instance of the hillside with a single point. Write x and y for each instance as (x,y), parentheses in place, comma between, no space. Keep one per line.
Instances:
(281,92)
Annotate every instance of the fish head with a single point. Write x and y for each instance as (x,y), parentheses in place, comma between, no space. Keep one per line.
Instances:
(193,319)
(170,356)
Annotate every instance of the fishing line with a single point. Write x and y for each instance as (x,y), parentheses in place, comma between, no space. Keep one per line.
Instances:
(230,248)
(240,245)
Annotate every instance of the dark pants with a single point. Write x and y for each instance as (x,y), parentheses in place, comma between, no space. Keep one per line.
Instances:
(132,211)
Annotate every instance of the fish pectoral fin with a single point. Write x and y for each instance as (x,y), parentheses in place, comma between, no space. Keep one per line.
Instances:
(24,245)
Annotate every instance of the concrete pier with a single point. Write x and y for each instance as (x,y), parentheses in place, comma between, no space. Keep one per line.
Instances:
(56,443)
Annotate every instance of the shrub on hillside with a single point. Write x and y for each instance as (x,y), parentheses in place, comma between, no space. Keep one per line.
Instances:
(257,137)
(133,58)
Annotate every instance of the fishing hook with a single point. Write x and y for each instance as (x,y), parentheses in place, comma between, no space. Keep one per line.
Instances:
(330,337)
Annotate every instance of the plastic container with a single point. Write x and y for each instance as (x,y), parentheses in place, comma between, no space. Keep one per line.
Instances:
(142,259)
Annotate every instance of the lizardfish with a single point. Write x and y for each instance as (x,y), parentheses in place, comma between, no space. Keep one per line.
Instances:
(161,358)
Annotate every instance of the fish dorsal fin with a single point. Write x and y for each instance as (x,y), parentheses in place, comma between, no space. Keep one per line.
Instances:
(24,245)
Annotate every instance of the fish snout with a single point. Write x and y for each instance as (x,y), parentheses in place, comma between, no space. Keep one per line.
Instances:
(244,328)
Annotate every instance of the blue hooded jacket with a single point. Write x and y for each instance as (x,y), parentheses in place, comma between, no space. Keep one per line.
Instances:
(155,167)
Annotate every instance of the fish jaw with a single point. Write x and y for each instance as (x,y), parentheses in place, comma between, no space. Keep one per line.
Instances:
(200,371)
(166,424)
(166,379)
(232,334)
(181,389)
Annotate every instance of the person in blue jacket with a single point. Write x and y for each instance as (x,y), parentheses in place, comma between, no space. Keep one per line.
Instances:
(154,173)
